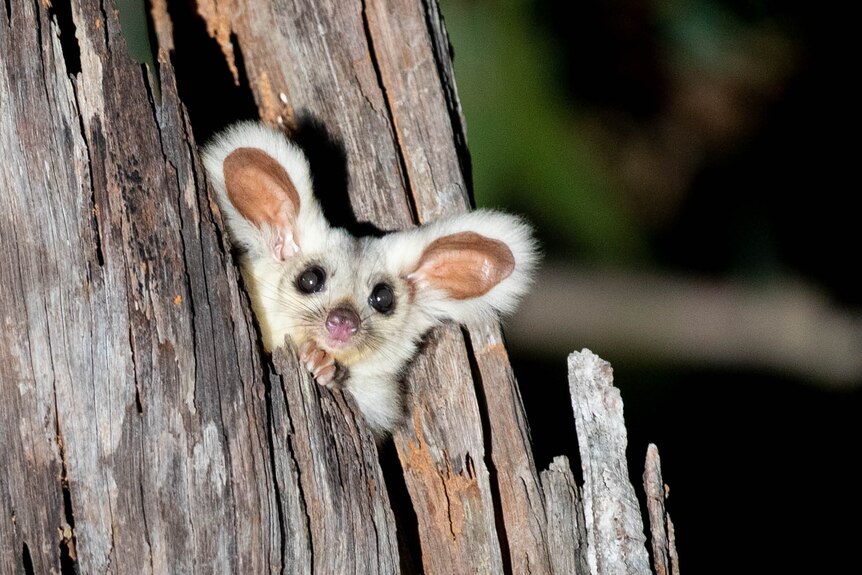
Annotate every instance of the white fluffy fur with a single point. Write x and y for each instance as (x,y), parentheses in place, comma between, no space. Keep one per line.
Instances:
(403,250)
(311,224)
(353,267)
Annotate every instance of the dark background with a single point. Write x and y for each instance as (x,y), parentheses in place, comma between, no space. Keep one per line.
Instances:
(702,139)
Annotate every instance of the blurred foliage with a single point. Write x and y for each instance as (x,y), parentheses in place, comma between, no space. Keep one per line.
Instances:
(701,138)
(595,119)
(136,30)
(527,145)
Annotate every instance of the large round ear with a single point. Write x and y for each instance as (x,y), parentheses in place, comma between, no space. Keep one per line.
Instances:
(468,266)
(463,265)
(263,189)
(262,192)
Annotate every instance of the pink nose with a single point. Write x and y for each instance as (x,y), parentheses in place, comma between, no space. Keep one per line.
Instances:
(342,323)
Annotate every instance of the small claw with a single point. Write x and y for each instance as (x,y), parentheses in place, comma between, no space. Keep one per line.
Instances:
(317,357)
(326,360)
(320,364)
(325,376)
(305,350)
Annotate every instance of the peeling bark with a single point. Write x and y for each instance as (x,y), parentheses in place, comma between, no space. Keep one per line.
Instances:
(143,428)
(567,535)
(664,557)
(615,534)
(139,431)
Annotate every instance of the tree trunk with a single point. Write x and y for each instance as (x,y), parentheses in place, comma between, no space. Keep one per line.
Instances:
(143,429)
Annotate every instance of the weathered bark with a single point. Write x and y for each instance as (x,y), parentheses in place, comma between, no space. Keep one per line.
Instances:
(664,556)
(615,534)
(137,432)
(350,524)
(396,114)
(130,372)
(567,534)
(143,428)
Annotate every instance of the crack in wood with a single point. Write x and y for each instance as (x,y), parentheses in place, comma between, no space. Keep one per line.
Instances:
(110,552)
(93,205)
(188,283)
(202,71)
(26,559)
(132,356)
(154,97)
(493,477)
(65,23)
(410,193)
(406,521)
(270,425)
(449,512)
(444,60)
(67,544)
(45,82)
(144,514)
(94,218)
(291,453)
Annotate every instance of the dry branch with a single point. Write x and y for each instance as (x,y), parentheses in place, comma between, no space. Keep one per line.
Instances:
(143,430)
(785,326)
(133,411)
(567,535)
(615,535)
(665,559)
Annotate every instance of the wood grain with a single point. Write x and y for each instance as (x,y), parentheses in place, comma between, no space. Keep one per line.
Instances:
(373,85)
(143,428)
(31,460)
(416,72)
(664,556)
(139,429)
(567,535)
(349,519)
(615,535)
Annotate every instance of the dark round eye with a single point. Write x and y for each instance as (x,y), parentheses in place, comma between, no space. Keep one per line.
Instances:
(382,299)
(311,280)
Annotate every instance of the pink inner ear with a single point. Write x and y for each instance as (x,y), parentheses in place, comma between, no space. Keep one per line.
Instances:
(465,265)
(263,193)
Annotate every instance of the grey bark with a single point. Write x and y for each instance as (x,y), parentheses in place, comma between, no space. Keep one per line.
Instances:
(142,427)
(615,534)
(665,559)
(140,422)
(567,534)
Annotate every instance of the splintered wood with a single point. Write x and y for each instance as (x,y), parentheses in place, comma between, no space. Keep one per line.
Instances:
(323,446)
(133,412)
(567,535)
(615,534)
(143,430)
(665,559)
